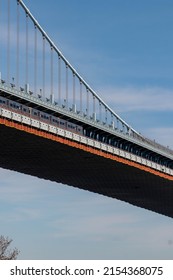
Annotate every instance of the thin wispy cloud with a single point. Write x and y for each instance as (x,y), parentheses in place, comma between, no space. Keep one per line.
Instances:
(127,99)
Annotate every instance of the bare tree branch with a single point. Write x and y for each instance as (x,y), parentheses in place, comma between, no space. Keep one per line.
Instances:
(5,253)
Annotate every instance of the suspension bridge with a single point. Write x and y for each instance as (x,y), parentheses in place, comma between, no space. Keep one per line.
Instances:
(53,125)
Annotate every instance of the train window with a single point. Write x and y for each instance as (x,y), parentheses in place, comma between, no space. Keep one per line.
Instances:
(14,105)
(71,126)
(54,120)
(2,101)
(35,113)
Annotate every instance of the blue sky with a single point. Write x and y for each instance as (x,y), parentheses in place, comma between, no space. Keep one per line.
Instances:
(123,49)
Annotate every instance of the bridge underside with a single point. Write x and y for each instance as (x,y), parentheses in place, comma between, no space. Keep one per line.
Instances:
(31,154)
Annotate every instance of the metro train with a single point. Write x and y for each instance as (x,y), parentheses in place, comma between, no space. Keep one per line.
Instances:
(34,113)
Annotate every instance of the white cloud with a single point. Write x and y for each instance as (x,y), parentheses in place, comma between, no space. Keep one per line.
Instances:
(127,99)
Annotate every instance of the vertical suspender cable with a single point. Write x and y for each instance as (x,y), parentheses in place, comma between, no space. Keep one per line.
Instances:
(94,104)
(35,61)
(106,115)
(17,56)
(43,67)
(100,112)
(117,124)
(1,53)
(26,65)
(51,76)
(87,102)
(81,97)
(66,86)
(74,97)
(0,44)
(112,120)
(59,80)
(8,44)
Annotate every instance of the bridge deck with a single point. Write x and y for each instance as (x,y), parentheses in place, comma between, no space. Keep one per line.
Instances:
(56,161)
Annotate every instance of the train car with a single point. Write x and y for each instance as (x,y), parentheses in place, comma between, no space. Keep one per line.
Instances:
(45,117)
(34,113)
(39,115)
(63,124)
(25,110)
(79,129)
(55,120)
(3,101)
(71,126)
(14,105)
